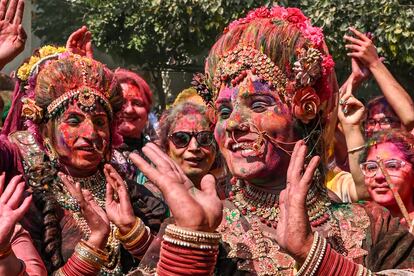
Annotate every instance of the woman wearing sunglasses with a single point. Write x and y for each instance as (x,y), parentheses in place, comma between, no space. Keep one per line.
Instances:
(186,135)
(395,149)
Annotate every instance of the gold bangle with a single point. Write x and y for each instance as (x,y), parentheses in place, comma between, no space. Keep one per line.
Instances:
(6,252)
(89,255)
(137,239)
(138,227)
(131,245)
(93,248)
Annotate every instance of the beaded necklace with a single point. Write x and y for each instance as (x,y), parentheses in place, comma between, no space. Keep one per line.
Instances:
(96,184)
(254,202)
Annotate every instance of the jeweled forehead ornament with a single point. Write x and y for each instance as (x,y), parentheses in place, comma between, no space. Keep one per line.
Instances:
(86,98)
(234,65)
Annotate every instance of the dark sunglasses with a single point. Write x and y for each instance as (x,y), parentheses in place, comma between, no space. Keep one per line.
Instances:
(181,139)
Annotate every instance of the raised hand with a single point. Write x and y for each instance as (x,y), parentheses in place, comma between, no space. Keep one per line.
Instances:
(351,111)
(117,203)
(13,206)
(12,35)
(293,233)
(80,42)
(362,48)
(192,208)
(94,215)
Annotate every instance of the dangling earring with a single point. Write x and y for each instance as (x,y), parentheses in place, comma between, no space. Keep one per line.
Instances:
(50,151)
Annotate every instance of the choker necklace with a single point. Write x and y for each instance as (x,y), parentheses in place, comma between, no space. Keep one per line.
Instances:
(254,202)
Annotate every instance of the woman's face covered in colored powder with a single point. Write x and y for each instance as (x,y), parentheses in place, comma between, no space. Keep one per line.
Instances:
(244,113)
(134,114)
(81,139)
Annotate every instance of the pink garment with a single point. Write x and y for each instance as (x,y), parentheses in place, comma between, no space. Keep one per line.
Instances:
(23,248)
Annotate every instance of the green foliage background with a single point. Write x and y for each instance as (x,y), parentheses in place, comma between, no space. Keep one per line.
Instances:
(159,35)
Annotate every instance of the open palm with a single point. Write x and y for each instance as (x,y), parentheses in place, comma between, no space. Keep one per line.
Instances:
(12,34)
(199,210)
(13,206)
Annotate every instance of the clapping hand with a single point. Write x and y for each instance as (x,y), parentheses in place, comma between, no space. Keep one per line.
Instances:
(93,214)
(199,210)
(118,205)
(80,42)
(294,233)
(13,206)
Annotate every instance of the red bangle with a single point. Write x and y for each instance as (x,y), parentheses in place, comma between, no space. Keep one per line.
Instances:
(183,271)
(76,267)
(182,262)
(335,264)
(206,257)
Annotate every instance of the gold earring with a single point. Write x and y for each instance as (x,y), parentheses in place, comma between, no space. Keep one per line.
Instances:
(50,151)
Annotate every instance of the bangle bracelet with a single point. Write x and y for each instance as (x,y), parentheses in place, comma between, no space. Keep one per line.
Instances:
(6,252)
(137,229)
(356,149)
(190,244)
(315,256)
(90,256)
(137,240)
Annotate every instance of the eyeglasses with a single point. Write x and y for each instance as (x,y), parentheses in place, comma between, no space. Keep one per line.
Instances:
(370,168)
(181,139)
(383,122)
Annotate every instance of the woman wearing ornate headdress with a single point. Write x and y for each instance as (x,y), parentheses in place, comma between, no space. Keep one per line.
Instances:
(84,220)
(271,83)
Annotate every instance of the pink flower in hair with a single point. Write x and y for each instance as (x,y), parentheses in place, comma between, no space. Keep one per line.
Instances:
(327,64)
(314,34)
(295,16)
(278,12)
(262,12)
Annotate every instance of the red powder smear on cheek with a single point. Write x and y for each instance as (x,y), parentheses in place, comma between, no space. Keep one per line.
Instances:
(65,136)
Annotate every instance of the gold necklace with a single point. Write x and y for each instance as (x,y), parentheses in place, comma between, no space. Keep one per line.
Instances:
(96,184)
(254,202)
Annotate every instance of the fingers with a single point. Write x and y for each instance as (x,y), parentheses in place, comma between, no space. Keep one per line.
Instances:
(208,184)
(17,196)
(2,181)
(18,17)
(21,33)
(109,179)
(150,172)
(119,182)
(24,207)
(310,170)
(359,34)
(10,188)
(354,40)
(292,163)
(355,48)
(88,45)
(74,189)
(11,10)
(158,157)
(3,6)
(109,194)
